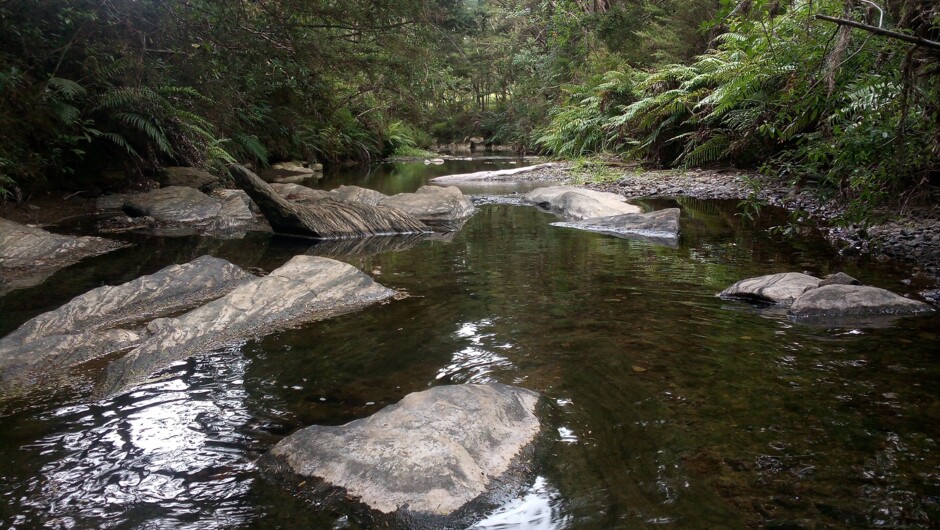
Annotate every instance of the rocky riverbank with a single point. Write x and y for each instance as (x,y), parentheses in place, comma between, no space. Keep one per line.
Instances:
(911,236)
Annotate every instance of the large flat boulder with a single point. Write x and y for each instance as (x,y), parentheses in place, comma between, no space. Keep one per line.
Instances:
(357,194)
(433,205)
(781,288)
(177,204)
(576,203)
(423,460)
(306,288)
(28,254)
(327,218)
(661,226)
(298,193)
(85,327)
(840,301)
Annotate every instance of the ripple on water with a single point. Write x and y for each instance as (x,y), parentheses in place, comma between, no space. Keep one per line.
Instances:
(174,453)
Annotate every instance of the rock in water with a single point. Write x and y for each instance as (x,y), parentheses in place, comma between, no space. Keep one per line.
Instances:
(422,459)
(303,289)
(298,193)
(576,203)
(357,194)
(177,204)
(847,301)
(433,205)
(327,218)
(189,177)
(661,226)
(83,329)
(839,278)
(782,288)
(28,255)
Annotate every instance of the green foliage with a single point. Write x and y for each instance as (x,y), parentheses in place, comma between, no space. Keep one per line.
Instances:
(841,110)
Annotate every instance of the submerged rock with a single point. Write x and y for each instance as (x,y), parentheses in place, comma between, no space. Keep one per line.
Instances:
(782,288)
(433,205)
(83,328)
(426,460)
(306,288)
(841,301)
(661,226)
(577,203)
(28,255)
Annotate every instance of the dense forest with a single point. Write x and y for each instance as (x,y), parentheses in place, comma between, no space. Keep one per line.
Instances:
(843,95)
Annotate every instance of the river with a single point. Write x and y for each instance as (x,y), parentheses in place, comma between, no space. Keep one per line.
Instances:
(674,408)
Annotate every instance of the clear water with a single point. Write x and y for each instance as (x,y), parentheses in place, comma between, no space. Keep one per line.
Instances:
(675,409)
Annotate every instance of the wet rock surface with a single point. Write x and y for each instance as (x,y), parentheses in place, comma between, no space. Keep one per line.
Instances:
(661,226)
(782,288)
(846,301)
(424,461)
(577,203)
(28,254)
(433,205)
(306,288)
(84,328)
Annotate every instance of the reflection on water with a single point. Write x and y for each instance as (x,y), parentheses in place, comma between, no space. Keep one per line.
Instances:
(539,509)
(476,361)
(671,407)
(174,450)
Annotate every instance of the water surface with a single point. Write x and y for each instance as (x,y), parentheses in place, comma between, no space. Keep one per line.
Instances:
(675,409)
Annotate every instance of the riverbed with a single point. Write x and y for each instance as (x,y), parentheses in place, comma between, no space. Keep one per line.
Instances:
(673,408)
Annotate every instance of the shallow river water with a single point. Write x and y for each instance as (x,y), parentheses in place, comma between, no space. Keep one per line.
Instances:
(674,409)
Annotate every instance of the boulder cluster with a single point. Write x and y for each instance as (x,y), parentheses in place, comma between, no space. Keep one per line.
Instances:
(838,298)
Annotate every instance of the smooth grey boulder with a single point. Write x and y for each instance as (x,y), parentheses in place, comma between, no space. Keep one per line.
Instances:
(177,204)
(433,205)
(28,254)
(306,288)
(577,203)
(84,328)
(357,194)
(423,460)
(661,226)
(839,278)
(848,301)
(298,193)
(189,177)
(781,288)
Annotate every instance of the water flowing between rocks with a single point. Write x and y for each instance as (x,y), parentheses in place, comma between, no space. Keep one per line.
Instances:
(674,408)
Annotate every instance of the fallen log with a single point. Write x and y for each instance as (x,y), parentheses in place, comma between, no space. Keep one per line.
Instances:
(327,218)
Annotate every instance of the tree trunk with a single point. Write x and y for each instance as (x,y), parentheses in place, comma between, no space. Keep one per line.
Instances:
(326,219)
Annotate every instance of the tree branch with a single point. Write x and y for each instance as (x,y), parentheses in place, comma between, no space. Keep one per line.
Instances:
(933,45)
